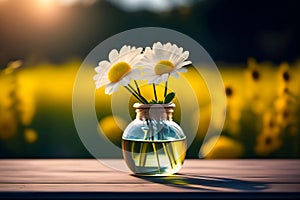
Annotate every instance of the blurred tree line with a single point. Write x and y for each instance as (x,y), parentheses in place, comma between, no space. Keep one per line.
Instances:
(231,31)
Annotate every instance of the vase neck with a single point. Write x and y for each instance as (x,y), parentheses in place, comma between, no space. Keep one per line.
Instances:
(154,112)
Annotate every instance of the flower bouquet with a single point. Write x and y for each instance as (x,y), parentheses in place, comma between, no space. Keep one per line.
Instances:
(152,144)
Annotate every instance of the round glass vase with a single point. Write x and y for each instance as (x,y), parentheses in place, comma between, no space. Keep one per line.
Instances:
(153,144)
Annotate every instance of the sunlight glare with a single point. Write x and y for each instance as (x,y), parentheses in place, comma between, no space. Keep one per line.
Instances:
(46,4)
(74,2)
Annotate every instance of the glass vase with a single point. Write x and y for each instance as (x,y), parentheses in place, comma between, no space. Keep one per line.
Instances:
(153,144)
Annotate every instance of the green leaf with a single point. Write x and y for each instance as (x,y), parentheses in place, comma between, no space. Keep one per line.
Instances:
(152,101)
(169,97)
(160,102)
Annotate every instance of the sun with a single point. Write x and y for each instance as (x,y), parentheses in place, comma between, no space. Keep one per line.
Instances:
(46,9)
(46,4)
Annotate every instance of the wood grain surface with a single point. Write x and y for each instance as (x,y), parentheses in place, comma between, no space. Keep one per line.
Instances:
(198,179)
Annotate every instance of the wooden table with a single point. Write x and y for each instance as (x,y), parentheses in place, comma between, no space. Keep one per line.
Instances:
(198,179)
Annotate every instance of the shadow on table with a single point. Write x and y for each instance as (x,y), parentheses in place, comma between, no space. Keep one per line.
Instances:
(206,183)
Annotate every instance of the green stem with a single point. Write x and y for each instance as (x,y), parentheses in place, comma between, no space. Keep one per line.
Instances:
(132,150)
(170,150)
(154,89)
(137,87)
(143,154)
(143,151)
(156,154)
(149,123)
(168,154)
(137,94)
(133,93)
(166,88)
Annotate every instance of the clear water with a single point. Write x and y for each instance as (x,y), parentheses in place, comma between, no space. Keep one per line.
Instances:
(159,158)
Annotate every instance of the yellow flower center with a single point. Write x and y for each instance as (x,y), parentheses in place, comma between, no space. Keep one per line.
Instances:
(163,66)
(117,71)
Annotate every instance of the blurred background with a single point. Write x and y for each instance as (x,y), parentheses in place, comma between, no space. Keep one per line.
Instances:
(255,44)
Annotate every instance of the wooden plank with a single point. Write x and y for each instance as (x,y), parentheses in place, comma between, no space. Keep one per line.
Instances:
(235,178)
(162,187)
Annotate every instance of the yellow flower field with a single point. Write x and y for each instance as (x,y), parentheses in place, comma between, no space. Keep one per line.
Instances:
(262,118)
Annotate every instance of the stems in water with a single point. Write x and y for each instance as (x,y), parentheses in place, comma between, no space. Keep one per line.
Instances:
(144,148)
(153,143)
(155,152)
(171,152)
(168,154)
(143,154)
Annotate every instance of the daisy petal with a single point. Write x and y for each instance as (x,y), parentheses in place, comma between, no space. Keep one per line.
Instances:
(108,89)
(168,46)
(102,66)
(182,64)
(131,55)
(124,50)
(175,74)
(134,57)
(179,51)
(96,77)
(182,57)
(165,77)
(186,63)
(182,70)
(115,87)
(136,74)
(185,54)
(157,45)
(101,81)
(158,80)
(111,88)
(113,55)
(174,55)
(124,81)
(152,79)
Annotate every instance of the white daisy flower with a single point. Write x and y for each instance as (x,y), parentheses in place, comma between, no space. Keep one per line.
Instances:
(121,67)
(163,61)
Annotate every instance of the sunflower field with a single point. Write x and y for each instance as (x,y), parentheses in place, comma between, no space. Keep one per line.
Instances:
(262,112)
